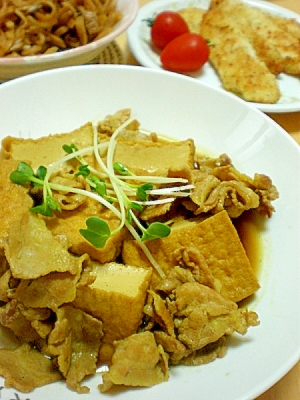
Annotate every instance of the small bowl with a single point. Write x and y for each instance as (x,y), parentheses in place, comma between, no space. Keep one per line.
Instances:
(13,67)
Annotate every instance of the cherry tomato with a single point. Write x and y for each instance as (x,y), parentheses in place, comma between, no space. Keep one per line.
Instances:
(166,26)
(186,53)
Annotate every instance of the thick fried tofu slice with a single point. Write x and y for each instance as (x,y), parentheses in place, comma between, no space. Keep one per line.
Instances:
(218,241)
(116,297)
(272,44)
(68,224)
(14,198)
(235,60)
(46,150)
(159,158)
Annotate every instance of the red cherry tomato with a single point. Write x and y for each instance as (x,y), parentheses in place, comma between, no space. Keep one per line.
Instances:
(186,53)
(166,26)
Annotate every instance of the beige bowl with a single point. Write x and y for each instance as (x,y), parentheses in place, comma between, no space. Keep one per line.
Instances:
(11,67)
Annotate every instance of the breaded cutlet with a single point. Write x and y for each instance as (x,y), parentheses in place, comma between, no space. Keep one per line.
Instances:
(289,25)
(278,48)
(235,60)
(193,17)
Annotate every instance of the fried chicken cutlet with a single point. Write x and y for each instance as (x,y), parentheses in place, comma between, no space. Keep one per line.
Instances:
(235,59)
(274,45)
(193,17)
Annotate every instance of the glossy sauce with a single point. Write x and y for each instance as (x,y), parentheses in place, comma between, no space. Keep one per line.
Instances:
(249,227)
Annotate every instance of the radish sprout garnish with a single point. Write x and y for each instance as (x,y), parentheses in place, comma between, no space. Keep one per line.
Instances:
(113,185)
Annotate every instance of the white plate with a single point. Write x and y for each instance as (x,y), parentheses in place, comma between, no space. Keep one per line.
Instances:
(138,36)
(63,99)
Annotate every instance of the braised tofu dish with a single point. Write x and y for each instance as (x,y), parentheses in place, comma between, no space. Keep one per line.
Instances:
(119,248)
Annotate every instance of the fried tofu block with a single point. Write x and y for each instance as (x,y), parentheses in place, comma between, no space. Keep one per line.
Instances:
(193,17)
(235,60)
(217,240)
(68,223)
(117,298)
(14,198)
(46,150)
(159,158)
(25,368)
(275,46)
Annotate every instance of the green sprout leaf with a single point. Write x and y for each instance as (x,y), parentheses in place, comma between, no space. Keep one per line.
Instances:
(121,169)
(40,174)
(132,206)
(69,149)
(43,209)
(97,232)
(99,186)
(47,208)
(141,191)
(156,230)
(23,174)
(135,206)
(83,170)
(53,204)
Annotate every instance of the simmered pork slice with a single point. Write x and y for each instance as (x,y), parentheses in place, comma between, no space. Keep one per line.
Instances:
(14,198)
(272,43)
(49,291)
(25,368)
(235,60)
(137,361)
(117,298)
(32,251)
(75,341)
(13,317)
(156,157)
(203,316)
(217,240)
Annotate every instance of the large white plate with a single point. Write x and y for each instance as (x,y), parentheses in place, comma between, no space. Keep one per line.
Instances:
(63,99)
(138,36)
